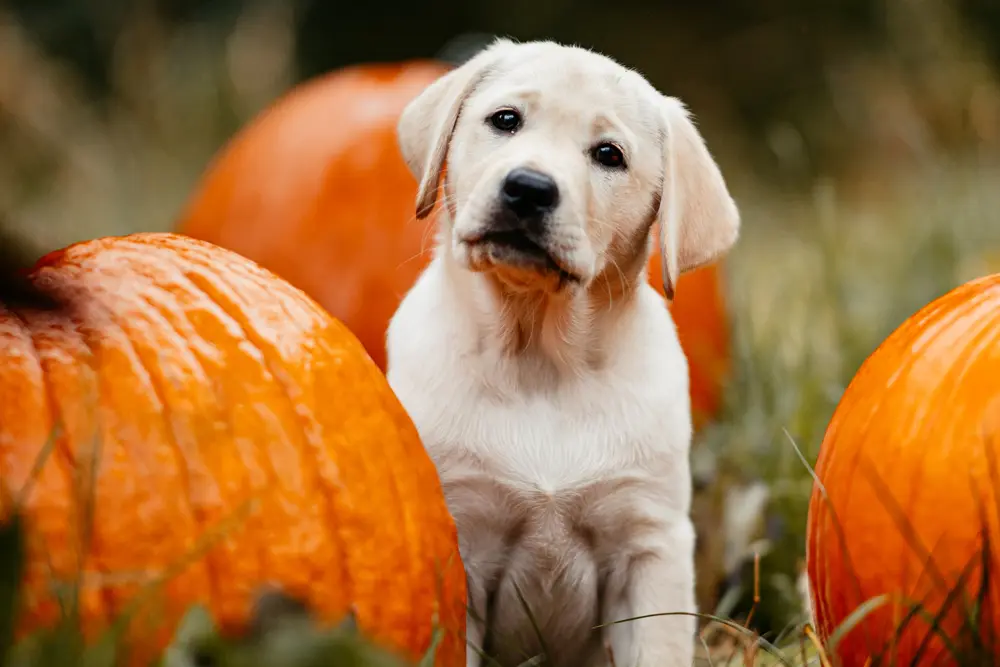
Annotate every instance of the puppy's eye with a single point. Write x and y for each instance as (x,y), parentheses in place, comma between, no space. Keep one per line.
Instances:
(609,156)
(506,120)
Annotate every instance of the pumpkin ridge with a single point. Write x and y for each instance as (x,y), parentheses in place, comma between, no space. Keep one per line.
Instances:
(817,559)
(60,263)
(200,274)
(63,451)
(262,559)
(201,265)
(56,458)
(311,445)
(197,514)
(59,446)
(959,369)
(869,412)
(402,509)
(421,540)
(826,511)
(415,541)
(256,274)
(938,397)
(288,293)
(441,569)
(975,345)
(939,319)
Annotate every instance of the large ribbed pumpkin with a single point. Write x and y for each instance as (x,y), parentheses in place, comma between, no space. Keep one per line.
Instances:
(911,466)
(316,190)
(234,424)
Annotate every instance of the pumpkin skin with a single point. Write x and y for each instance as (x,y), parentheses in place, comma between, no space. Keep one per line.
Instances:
(229,410)
(915,438)
(316,190)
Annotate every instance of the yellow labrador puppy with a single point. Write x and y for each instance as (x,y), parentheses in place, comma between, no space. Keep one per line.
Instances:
(542,371)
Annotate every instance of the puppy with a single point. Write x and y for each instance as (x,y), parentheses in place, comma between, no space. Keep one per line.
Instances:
(543,372)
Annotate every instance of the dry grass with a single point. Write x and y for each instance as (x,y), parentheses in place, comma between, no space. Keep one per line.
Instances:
(817,281)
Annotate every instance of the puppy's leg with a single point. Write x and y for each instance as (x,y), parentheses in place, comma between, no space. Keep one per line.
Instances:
(659,581)
(473,641)
(617,636)
(475,622)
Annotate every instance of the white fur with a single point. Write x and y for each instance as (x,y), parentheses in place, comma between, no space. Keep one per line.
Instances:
(557,410)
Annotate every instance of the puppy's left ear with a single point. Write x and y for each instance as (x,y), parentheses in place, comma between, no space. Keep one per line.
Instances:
(698,219)
(426,124)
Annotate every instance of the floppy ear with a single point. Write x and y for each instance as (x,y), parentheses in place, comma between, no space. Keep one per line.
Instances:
(427,122)
(698,218)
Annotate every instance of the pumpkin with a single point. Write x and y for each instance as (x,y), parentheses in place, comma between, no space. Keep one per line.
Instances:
(223,433)
(316,190)
(907,486)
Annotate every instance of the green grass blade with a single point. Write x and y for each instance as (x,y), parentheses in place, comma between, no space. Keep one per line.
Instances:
(853,619)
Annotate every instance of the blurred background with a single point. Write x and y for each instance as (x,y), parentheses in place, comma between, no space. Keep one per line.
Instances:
(861,139)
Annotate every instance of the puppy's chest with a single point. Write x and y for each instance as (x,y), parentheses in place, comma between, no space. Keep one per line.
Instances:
(541,474)
(540,446)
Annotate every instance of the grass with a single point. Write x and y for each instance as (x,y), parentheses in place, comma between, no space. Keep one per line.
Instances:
(818,279)
(281,633)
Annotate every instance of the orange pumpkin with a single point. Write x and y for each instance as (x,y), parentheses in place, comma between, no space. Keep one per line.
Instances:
(225,411)
(315,189)
(910,469)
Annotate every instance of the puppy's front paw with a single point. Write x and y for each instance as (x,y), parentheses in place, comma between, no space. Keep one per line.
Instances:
(661,600)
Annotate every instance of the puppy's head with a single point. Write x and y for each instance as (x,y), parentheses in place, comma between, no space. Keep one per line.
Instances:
(558,162)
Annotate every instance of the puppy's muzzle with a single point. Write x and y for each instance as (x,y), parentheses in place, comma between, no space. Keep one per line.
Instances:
(518,233)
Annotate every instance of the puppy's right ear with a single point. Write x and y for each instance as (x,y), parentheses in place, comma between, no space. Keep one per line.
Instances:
(699,220)
(426,124)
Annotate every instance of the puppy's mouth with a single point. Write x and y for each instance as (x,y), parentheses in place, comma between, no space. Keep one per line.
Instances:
(518,249)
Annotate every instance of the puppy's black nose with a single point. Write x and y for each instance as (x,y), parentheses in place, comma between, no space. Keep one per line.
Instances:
(528,192)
